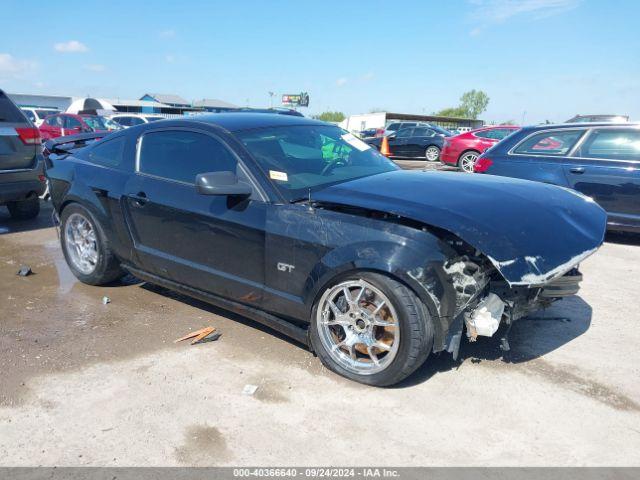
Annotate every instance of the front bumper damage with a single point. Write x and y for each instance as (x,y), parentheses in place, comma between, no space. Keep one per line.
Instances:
(485,300)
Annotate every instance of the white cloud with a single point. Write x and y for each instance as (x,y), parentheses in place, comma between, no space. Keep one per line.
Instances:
(368,76)
(169,58)
(95,67)
(341,81)
(12,67)
(167,33)
(488,12)
(72,46)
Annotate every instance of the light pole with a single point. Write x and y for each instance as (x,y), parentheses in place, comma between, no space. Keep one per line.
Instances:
(271,95)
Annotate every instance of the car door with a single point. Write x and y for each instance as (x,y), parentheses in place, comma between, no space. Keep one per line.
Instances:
(417,143)
(212,243)
(606,167)
(398,144)
(52,127)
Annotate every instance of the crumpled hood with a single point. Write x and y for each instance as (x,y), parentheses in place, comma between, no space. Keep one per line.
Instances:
(531,232)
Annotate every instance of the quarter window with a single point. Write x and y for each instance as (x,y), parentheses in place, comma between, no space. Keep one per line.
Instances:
(109,153)
(614,144)
(181,155)
(556,143)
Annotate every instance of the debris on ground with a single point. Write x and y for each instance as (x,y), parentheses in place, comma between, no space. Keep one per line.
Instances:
(25,271)
(106,300)
(249,389)
(206,334)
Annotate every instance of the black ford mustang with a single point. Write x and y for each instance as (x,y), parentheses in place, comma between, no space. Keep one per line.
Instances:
(302,226)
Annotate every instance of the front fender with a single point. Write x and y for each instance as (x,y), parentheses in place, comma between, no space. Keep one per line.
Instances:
(418,263)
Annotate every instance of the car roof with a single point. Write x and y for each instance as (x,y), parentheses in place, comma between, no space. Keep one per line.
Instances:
(554,126)
(234,122)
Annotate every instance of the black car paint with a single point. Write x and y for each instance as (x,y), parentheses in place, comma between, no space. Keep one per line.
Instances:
(234,249)
(613,184)
(408,146)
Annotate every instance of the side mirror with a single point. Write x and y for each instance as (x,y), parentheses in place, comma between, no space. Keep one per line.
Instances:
(391,136)
(222,183)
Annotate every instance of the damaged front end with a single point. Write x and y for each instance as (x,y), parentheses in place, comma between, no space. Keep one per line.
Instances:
(485,300)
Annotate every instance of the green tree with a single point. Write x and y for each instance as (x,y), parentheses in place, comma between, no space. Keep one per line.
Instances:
(474,102)
(330,116)
(451,112)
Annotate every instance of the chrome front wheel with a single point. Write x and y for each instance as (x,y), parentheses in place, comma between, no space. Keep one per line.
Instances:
(81,243)
(358,327)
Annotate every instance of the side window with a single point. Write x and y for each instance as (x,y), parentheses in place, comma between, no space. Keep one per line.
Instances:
(30,115)
(404,133)
(124,121)
(423,132)
(393,127)
(135,121)
(70,122)
(54,121)
(181,155)
(550,143)
(614,144)
(109,153)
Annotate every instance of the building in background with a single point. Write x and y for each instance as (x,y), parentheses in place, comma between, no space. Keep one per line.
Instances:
(56,102)
(167,105)
(358,123)
(214,105)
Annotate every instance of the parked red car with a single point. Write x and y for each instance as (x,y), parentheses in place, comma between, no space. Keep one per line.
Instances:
(64,124)
(463,150)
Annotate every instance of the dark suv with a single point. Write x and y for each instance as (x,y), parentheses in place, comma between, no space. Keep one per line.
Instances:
(22,178)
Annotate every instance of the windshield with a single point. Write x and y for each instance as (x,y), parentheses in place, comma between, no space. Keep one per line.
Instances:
(153,119)
(95,123)
(302,158)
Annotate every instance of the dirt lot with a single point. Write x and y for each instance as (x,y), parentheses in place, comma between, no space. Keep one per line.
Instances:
(90,384)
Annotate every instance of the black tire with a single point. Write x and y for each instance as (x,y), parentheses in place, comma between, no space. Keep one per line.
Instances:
(433,148)
(107,268)
(416,333)
(24,209)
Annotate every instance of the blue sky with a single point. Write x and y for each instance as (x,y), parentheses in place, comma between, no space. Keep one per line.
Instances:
(548,58)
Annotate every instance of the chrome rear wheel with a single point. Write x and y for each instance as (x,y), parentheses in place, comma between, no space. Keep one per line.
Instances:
(81,243)
(468,161)
(432,153)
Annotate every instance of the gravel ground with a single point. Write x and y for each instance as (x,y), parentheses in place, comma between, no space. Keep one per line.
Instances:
(90,384)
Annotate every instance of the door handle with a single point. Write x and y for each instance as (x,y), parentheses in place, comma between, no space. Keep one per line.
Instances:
(577,170)
(140,199)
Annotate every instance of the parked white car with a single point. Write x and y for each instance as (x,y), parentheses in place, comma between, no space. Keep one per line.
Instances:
(37,115)
(133,119)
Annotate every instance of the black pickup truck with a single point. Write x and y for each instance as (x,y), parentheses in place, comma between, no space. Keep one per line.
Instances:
(22,178)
